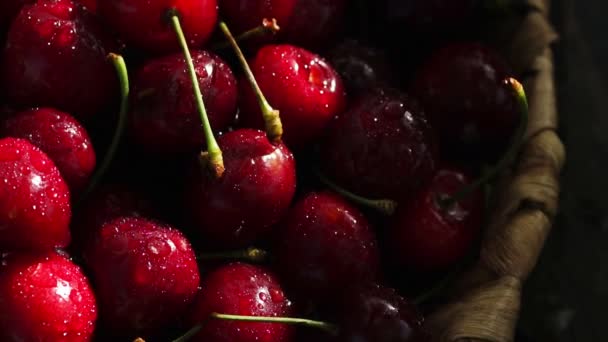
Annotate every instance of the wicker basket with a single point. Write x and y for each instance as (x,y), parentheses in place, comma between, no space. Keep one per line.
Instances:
(483,305)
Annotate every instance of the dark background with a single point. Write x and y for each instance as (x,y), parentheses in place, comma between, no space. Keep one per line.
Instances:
(567,296)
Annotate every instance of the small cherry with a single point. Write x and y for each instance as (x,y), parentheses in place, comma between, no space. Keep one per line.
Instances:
(45,297)
(55,56)
(145,275)
(61,137)
(325,244)
(35,206)
(163,114)
(461,87)
(382,147)
(143,24)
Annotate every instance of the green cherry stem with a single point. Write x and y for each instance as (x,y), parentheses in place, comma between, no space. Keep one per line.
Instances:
(509,156)
(123,78)
(214,154)
(268,27)
(254,255)
(272,119)
(327,327)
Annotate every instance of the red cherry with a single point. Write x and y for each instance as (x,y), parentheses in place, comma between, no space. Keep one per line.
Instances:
(56,56)
(45,297)
(253,194)
(61,137)
(34,200)
(143,23)
(428,236)
(463,90)
(163,111)
(324,245)
(306,90)
(9,10)
(241,289)
(145,275)
(381,147)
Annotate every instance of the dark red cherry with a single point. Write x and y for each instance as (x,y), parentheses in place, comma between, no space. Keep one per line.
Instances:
(430,16)
(145,24)
(145,275)
(34,200)
(463,90)
(45,297)
(9,10)
(382,147)
(253,194)
(163,111)
(324,245)
(61,137)
(55,56)
(427,235)
(306,90)
(241,289)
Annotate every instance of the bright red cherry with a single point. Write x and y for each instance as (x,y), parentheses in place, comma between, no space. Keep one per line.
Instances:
(463,90)
(45,297)
(306,90)
(61,137)
(253,194)
(241,289)
(163,112)
(55,56)
(34,200)
(324,245)
(145,275)
(426,234)
(382,147)
(145,24)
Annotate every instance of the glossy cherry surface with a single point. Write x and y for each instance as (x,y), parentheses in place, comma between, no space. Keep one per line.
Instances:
(163,112)
(35,206)
(150,28)
(241,289)
(382,147)
(306,90)
(253,194)
(61,137)
(55,56)
(463,90)
(324,245)
(426,236)
(45,297)
(145,275)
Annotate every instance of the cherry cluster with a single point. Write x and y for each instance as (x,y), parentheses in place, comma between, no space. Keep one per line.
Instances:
(287,182)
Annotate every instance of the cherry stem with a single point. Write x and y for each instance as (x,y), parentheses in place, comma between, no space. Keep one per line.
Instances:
(123,78)
(268,26)
(252,254)
(327,327)
(272,119)
(511,154)
(214,154)
(385,206)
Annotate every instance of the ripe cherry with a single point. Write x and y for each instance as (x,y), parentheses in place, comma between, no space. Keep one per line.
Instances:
(163,112)
(61,137)
(55,56)
(45,297)
(145,275)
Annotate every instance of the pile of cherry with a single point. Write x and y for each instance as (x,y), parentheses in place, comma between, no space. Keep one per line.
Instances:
(281,196)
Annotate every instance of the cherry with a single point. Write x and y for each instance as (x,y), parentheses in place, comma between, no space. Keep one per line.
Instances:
(324,245)
(241,289)
(145,275)
(143,23)
(301,85)
(254,192)
(61,137)
(381,147)
(55,56)
(163,113)
(462,88)
(34,200)
(45,297)
(430,17)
